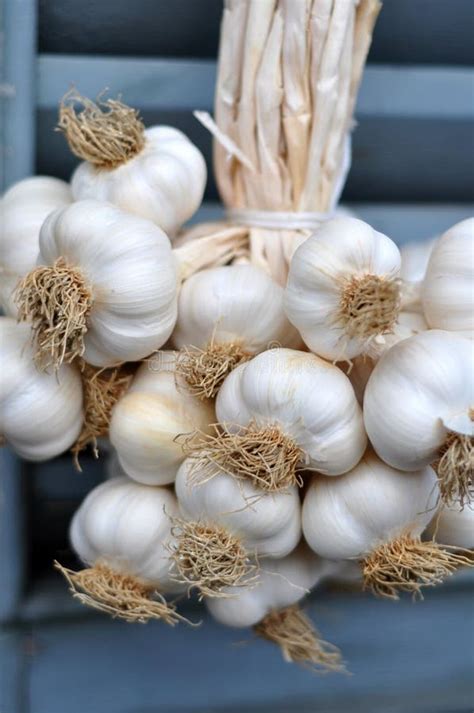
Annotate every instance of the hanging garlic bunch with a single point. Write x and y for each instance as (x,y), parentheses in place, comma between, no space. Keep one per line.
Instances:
(453,525)
(106,285)
(280,413)
(121,532)
(23,210)
(148,419)
(225,316)
(155,173)
(377,514)
(447,290)
(226,523)
(419,409)
(271,608)
(40,414)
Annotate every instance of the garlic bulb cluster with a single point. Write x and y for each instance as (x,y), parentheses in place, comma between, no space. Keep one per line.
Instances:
(418,409)
(148,419)
(447,289)
(343,288)
(40,414)
(23,210)
(155,173)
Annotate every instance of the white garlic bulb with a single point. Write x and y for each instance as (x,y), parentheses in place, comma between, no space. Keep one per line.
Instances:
(155,173)
(448,286)
(453,525)
(146,421)
(225,315)
(377,514)
(40,414)
(418,408)
(301,403)
(343,288)
(415,257)
(122,531)
(23,210)
(112,279)
(268,524)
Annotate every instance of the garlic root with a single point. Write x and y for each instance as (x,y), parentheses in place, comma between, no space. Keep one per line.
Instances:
(369,306)
(209,558)
(408,564)
(106,134)
(204,370)
(56,300)
(122,596)
(300,643)
(455,470)
(270,459)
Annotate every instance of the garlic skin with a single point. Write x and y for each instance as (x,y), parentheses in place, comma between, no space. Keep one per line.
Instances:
(164,182)
(40,413)
(235,304)
(268,524)
(447,290)
(146,421)
(321,270)
(420,391)
(282,582)
(130,271)
(278,387)
(453,526)
(348,517)
(23,209)
(126,526)
(415,257)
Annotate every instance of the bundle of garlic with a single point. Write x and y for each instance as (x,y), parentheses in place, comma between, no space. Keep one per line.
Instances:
(287,82)
(23,209)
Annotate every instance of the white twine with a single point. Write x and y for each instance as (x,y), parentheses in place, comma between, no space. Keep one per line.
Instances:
(277,220)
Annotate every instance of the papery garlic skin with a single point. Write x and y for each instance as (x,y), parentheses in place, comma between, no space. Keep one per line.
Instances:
(415,257)
(420,390)
(311,400)
(349,516)
(236,304)
(146,422)
(129,267)
(448,286)
(453,526)
(282,582)
(164,182)
(341,249)
(127,527)
(23,209)
(40,413)
(268,524)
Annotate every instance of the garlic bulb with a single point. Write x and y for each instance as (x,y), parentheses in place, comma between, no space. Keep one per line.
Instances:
(155,173)
(418,409)
(23,210)
(225,523)
(146,422)
(110,281)
(454,526)
(226,315)
(447,290)
(122,531)
(343,288)
(281,412)
(269,607)
(40,414)
(377,514)
(415,257)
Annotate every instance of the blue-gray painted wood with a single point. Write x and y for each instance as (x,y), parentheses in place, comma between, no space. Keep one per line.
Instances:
(17,91)
(13,661)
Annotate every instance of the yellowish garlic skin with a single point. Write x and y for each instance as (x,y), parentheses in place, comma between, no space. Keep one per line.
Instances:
(164,182)
(454,526)
(126,526)
(421,390)
(343,251)
(268,524)
(40,413)
(23,209)
(310,399)
(447,290)
(350,516)
(147,421)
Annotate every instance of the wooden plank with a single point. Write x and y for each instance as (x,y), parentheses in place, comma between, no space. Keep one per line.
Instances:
(12,535)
